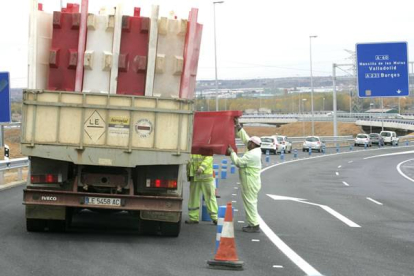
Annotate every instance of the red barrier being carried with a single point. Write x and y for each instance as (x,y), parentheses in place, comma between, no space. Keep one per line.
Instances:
(213,132)
(133,54)
(64,51)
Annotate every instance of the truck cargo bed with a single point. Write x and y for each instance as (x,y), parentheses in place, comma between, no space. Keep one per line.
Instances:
(105,129)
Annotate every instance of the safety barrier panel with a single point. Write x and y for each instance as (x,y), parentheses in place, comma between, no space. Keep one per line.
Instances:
(40,38)
(64,51)
(191,54)
(98,54)
(169,62)
(133,54)
(152,51)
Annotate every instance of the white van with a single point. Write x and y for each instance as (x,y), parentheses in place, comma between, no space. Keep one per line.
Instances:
(390,137)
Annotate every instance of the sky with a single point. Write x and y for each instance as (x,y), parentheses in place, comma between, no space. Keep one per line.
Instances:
(255,39)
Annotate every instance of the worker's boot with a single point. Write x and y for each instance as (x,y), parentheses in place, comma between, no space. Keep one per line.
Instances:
(191,222)
(251,229)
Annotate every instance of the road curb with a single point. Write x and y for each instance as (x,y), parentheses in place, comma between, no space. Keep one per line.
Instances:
(12,185)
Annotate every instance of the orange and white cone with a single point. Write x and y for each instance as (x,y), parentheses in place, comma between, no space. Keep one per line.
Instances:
(226,256)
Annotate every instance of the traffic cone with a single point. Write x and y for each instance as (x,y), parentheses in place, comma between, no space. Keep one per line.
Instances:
(226,256)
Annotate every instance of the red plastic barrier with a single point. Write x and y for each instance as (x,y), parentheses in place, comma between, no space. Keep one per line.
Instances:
(213,132)
(64,50)
(133,54)
(191,55)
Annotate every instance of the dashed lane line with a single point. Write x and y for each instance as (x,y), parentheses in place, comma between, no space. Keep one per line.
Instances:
(376,202)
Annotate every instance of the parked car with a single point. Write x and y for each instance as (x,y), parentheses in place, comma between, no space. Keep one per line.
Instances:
(313,142)
(376,139)
(363,139)
(390,137)
(269,143)
(284,144)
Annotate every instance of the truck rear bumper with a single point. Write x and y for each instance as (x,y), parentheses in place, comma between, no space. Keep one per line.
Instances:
(80,200)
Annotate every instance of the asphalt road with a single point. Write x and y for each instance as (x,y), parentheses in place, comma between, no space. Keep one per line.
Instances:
(314,234)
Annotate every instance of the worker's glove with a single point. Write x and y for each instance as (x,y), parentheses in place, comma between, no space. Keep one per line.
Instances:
(237,124)
(199,171)
(230,150)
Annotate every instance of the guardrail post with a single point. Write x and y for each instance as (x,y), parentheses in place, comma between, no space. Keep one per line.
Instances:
(267,156)
(295,153)
(20,174)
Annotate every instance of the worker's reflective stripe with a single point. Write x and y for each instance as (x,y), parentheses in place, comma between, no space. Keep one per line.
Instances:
(197,159)
(204,176)
(193,209)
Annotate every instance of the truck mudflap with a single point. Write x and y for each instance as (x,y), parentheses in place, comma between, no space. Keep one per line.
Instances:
(102,201)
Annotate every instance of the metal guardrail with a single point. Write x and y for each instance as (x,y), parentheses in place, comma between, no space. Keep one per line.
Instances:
(18,163)
(297,140)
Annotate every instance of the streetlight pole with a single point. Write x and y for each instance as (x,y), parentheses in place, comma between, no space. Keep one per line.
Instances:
(382,114)
(303,118)
(311,75)
(335,123)
(323,103)
(215,50)
(370,117)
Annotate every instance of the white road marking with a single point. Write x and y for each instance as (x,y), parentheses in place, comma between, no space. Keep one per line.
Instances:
(331,211)
(238,183)
(400,171)
(240,221)
(233,194)
(342,218)
(233,201)
(350,162)
(236,188)
(278,197)
(339,166)
(292,255)
(254,240)
(337,173)
(390,154)
(379,203)
(236,210)
(346,184)
(278,266)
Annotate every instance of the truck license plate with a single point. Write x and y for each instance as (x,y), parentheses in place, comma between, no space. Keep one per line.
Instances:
(102,201)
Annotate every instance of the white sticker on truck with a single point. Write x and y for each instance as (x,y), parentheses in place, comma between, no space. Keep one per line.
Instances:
(144,128)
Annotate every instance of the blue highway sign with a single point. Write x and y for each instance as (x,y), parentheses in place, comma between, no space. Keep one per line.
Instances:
(382,69)
(4,97)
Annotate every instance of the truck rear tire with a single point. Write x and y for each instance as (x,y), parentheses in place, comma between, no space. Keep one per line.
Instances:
(148,227)
(56,225)
(170,229)
(35,225)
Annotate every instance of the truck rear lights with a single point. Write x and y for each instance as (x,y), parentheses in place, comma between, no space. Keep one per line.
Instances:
(161,183)
(45,178)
